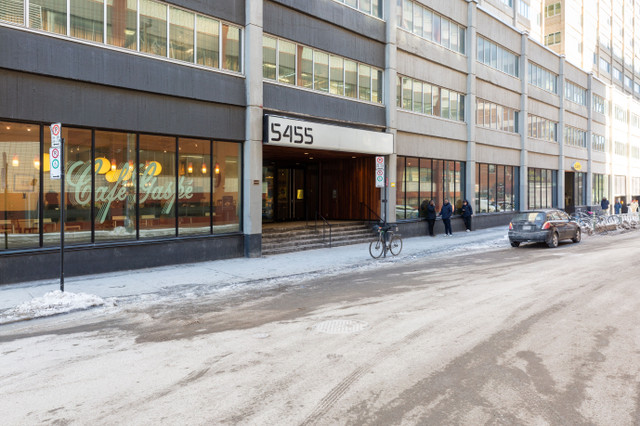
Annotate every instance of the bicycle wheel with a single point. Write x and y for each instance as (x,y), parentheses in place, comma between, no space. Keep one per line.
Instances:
(395,245)
(376,248)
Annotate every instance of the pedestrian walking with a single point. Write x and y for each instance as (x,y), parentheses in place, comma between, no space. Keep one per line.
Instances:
(467,212)
(446,213)
(604,205)
(625,207)
(430,215)
(617,207)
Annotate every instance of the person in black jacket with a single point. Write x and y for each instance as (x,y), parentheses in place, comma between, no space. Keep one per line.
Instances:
(446,213)
(604,205)
(467,212)
(430,215)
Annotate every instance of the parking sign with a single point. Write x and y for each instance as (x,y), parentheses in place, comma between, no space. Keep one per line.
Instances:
(380,172)
(56,130)
(55,163)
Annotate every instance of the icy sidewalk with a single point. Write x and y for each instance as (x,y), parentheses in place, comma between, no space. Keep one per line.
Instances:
(36,299)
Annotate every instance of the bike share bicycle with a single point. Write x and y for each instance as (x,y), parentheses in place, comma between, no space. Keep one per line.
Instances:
(387,240)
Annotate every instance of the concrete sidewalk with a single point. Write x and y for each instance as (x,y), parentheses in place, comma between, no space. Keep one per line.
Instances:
(232,274)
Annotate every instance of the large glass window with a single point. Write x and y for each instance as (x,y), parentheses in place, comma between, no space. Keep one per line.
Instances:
(194,187)
(226,187)
(305,67)
(20,165)
(181,34)
(87,19)
(337,75)
(199,185)
(115,187)
(122,23)
(496,188)
(153,27)
(208,42)
(230,48)
(364,82)
(351,79)
(269,58)
(287,62)
(421,179)
(158,190)
(321,71)
(48,15)
(497,57)
(77,189)
(542,184)
(12,11)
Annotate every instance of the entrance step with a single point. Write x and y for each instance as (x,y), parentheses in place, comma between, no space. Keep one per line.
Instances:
(292,237)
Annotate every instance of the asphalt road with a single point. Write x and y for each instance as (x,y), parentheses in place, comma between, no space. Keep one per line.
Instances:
(529,336)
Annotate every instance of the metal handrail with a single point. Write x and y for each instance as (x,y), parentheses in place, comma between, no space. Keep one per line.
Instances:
(325,225)
(366,206)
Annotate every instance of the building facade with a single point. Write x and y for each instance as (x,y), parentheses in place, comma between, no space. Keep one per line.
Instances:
(189,125)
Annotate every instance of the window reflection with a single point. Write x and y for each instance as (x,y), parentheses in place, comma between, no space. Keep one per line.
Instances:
(194,195)
(48,15)
(77,144)
(121,23)
(153,27)
(158,185)
(19,185)
(226,187)
(203,190)
(87,17)
(115,186)
(421,179)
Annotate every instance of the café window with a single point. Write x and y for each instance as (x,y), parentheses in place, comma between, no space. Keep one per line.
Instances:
(179,187)
(20,165)
(194,186)
(115,188)
(77,156)
(157,202)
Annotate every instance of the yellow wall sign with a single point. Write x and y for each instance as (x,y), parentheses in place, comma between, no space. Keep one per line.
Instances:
(576,166)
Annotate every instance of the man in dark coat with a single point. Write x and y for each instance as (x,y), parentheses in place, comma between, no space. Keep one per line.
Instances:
(446,213)
(604,204)
(467,212)
(430,215)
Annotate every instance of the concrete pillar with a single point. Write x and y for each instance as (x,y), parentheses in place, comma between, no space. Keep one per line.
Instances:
(590,200)
(252,149)
(470,101)
(560,135)
(522,122)
(388,208)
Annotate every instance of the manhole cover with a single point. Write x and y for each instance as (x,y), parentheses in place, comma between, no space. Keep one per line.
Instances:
(340,326)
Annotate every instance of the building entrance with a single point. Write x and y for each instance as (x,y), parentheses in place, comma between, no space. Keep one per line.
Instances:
(301,185)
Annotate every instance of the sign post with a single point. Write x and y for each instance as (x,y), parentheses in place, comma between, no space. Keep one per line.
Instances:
(381,181)
(56,158)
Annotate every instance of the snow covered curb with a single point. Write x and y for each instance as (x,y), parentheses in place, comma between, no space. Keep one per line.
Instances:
(52,303)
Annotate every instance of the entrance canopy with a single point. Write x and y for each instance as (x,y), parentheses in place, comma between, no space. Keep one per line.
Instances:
(287,132)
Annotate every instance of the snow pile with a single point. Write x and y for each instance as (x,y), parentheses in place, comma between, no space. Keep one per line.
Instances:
(52,303)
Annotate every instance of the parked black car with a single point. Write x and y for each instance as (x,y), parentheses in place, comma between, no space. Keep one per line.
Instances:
(544,225)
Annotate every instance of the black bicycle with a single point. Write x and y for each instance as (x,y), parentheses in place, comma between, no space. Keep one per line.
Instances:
(387,240)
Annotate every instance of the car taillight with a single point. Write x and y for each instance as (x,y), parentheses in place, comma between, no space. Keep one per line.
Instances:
(510,226)
(546,225)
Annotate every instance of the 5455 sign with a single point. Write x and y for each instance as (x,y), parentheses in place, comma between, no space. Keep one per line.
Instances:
(291,133)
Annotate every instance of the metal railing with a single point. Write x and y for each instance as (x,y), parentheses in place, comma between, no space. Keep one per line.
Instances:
(368,212)
(325,225)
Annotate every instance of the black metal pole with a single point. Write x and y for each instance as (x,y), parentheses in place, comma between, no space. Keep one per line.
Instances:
(62,218)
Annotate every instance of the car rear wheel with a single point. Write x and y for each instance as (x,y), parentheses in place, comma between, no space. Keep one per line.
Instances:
(515,243)
(578,236)
(553,240)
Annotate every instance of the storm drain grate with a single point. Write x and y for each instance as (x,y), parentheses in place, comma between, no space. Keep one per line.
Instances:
(340,326)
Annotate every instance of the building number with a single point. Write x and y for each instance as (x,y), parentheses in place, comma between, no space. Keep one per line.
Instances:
(294,134)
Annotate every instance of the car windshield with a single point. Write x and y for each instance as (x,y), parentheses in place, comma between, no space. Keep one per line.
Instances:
(529,217)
